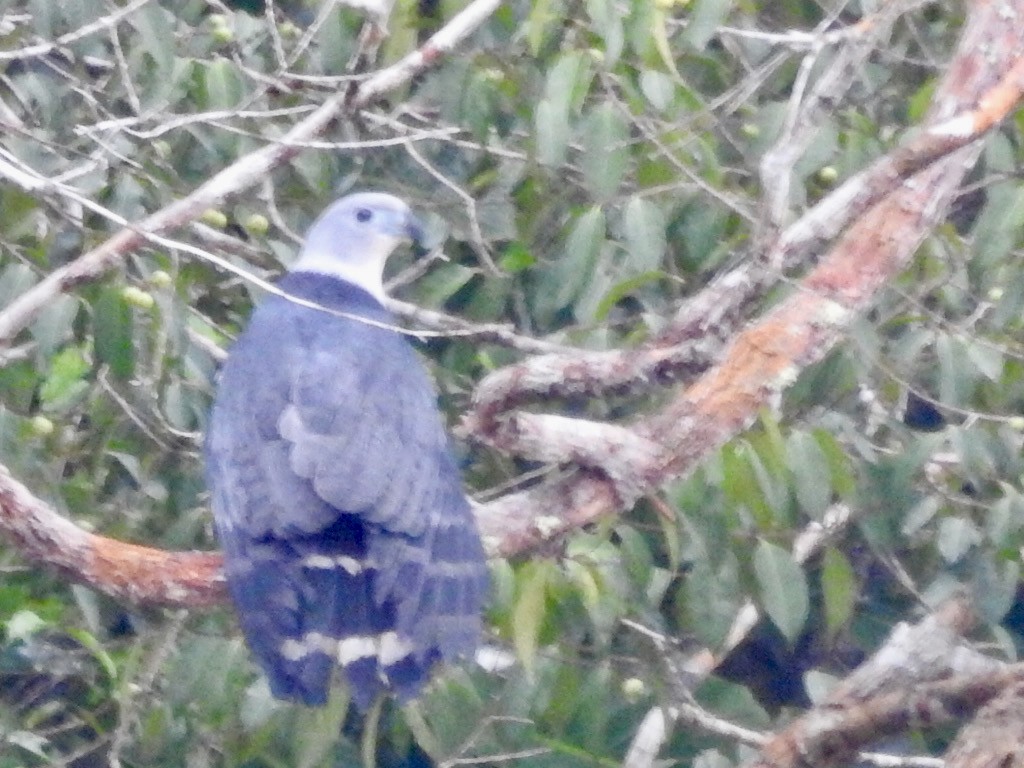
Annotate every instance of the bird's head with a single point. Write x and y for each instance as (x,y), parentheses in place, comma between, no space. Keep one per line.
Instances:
(353,238)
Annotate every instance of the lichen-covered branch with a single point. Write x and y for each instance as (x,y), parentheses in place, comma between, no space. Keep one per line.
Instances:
(765,358)
(752,373)
(923,675)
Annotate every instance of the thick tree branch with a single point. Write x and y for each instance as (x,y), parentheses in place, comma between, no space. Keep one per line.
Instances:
(754,371)
(767,357)
(125,571)
(695,336)
(922,676)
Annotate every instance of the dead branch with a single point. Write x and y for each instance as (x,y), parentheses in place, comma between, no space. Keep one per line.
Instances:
(995,738)
(923,675)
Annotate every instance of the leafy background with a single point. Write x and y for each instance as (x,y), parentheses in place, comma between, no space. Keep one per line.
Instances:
(585,166)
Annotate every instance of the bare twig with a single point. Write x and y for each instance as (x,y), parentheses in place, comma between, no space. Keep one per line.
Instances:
(244,173)
(41,49)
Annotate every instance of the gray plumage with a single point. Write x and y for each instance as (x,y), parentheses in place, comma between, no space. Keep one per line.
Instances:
(347,536)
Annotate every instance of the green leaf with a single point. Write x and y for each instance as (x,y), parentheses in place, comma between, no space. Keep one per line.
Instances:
(545,16)
(996,230)
(659,34)
(706,16)
(336,42)
(583,577)
(604,154)
(811,476)
(551,126)
(773,490)
(711,597)
(91,644)
(54,326)
(552,122)
(783,586)
(739,485)
(918,516)
(223,84)
(839,589)
(839,465)
(259,705)
(443,282)
(23,624)
(1005,518)
(955,372)
(32,743)
(112,333)
(152,23)
(919,103)
(644,227)
(15,279)
(566,81)
(582,248)
(530,611)
(623,289)
(658,88)
(320,727)
(607,21)
(65,382)
(987,358)
(516,258)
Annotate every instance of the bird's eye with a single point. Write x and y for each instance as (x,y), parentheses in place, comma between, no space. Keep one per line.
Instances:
(364,214)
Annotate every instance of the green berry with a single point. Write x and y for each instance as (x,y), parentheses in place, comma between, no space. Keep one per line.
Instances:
(828,174)
(214,218)
(137,297)
(222,34)
(633,688)
(41,426)
(257,224)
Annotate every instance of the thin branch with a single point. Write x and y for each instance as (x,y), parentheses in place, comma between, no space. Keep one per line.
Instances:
(244,173)
(41,49)
(716,311)
(764,359)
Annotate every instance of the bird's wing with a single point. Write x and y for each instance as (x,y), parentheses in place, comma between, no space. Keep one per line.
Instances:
(339,505)
(363,428)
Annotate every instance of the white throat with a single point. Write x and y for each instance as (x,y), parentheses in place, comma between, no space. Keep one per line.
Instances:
(366,273)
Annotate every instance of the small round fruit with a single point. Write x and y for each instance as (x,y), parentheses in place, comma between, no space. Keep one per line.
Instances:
(257,224)
(41,426)
(137,297)
(214,218)
(222,34)
(633,688)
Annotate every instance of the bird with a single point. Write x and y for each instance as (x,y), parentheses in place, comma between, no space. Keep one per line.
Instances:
(348,539)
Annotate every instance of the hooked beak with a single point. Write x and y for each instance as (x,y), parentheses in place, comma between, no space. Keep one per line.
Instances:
(414,229)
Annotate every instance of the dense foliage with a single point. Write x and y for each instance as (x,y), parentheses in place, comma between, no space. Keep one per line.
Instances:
(585,167)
